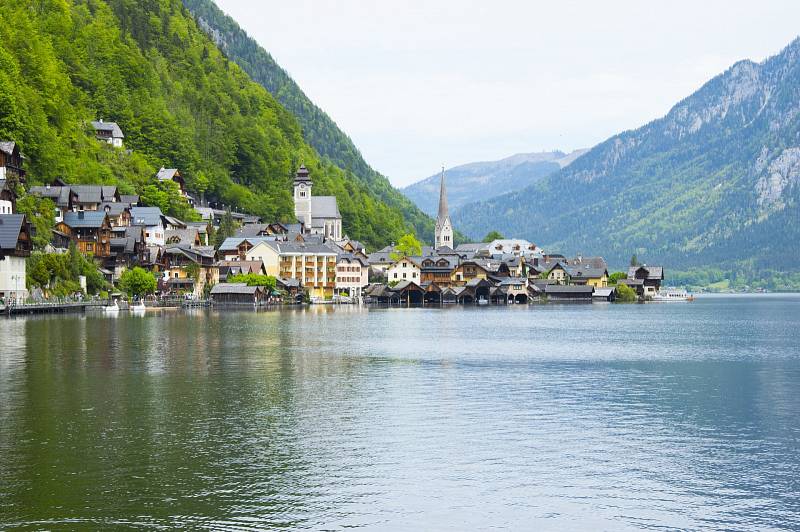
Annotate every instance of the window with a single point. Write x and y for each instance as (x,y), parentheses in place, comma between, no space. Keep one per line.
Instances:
(404,275)
(395,275)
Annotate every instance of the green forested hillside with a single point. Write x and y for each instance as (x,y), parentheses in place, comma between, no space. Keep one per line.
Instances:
(715,184)
(181,103)
(317,127)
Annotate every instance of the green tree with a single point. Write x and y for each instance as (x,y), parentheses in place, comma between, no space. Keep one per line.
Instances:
(408,246)
(625,294)
(254,279)
(634,260)
(227,228)
(491,236)
(616,276)
(138,282)
(40,212)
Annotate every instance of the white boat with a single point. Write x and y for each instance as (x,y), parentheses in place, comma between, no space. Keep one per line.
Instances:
(672,294)
(137,307)
(482,301)
(111,309)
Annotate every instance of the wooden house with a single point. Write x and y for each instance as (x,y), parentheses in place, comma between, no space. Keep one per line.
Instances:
(438,269)
(646,280)
(238,294)
(89,230)
(11,163)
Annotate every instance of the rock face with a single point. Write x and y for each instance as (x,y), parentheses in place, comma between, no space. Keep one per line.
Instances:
(714,182)
(482,180)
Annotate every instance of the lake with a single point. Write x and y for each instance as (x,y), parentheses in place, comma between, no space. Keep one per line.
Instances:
(677,415)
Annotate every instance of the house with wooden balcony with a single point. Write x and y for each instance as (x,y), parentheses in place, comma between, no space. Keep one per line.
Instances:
(89,230)
(11,163)
(108,132)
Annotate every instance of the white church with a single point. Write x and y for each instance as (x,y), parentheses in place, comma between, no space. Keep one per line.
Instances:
(318,214)
(444,228)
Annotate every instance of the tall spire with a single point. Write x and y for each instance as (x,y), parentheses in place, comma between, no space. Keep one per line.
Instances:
(443,199)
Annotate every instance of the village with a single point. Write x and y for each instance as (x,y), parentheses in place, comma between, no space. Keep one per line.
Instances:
(264,262)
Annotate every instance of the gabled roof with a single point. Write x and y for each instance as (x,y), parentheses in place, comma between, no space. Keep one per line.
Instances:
(10,228)
(349,257)
(88,193)
(7,146)
(324,207)
(652,272)
(114,208)
(60,195)
(581,272)
(167,174)
(184,236)
(85,219)
(148,216)
(234,288)
(130,199)
(113,127)
(407,285)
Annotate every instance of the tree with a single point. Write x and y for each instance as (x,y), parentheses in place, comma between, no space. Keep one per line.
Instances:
(625,294)
(227,228)
(40,212)
(408,246)
(138,282)
(491,236)
(253,279)
(616,276)
(634,260)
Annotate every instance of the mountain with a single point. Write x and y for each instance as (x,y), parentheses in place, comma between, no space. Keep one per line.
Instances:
(714,183)
(478,181)
(180,102)
(318,129)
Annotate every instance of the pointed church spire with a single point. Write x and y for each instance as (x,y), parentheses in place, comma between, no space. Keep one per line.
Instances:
(443,199)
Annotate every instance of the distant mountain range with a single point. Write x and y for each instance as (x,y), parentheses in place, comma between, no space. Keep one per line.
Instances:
(716,182)
(482,180)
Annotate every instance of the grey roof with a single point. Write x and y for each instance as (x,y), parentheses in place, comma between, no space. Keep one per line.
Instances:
(88,219)
(581,272)
(403,285)
(148,216)
(234,288)
(232,243)
(604,291)
(589,262)
(10,227)
(113,127)
(88,193)
(324,207)
(349,257)
(127,244)
(185,236)
(166,174)
(441,262)
(130,199)
(60,195)
(505,281)
(653,272)
(568,289)
(114,208)
(7,146)
(289,283)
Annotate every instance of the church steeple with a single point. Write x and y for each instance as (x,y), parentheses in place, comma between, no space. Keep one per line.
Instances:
(444,229)
(442,199)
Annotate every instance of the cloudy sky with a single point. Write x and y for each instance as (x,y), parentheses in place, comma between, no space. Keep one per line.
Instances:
(418,84)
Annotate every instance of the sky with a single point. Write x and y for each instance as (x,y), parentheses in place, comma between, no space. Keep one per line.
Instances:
(421,84)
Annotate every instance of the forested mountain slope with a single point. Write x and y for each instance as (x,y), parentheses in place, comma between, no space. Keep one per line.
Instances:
(716,182)
(318,129)
(478,181)
(180,102)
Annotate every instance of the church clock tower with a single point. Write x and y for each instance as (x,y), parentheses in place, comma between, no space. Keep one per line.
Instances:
(302,197)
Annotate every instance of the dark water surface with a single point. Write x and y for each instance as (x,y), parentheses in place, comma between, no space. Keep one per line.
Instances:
(548,417)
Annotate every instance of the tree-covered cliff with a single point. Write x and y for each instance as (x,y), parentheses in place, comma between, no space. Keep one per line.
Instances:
(180,102)
(318,129)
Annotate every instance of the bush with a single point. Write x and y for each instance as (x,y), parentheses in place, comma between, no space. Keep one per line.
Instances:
(625,294)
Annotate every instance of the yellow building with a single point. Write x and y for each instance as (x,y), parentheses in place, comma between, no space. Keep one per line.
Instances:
(597,277)
(314,265)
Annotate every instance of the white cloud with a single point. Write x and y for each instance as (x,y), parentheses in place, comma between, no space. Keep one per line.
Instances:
(419,83)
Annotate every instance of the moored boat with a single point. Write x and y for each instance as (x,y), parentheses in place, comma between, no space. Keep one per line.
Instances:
(672,294)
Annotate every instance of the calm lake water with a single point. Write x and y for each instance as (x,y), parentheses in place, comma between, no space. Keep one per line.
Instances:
(543,417)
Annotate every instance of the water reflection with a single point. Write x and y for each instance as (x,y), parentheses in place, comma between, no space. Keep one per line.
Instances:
(557,416)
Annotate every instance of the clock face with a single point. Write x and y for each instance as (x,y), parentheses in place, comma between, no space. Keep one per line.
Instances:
(302,185)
